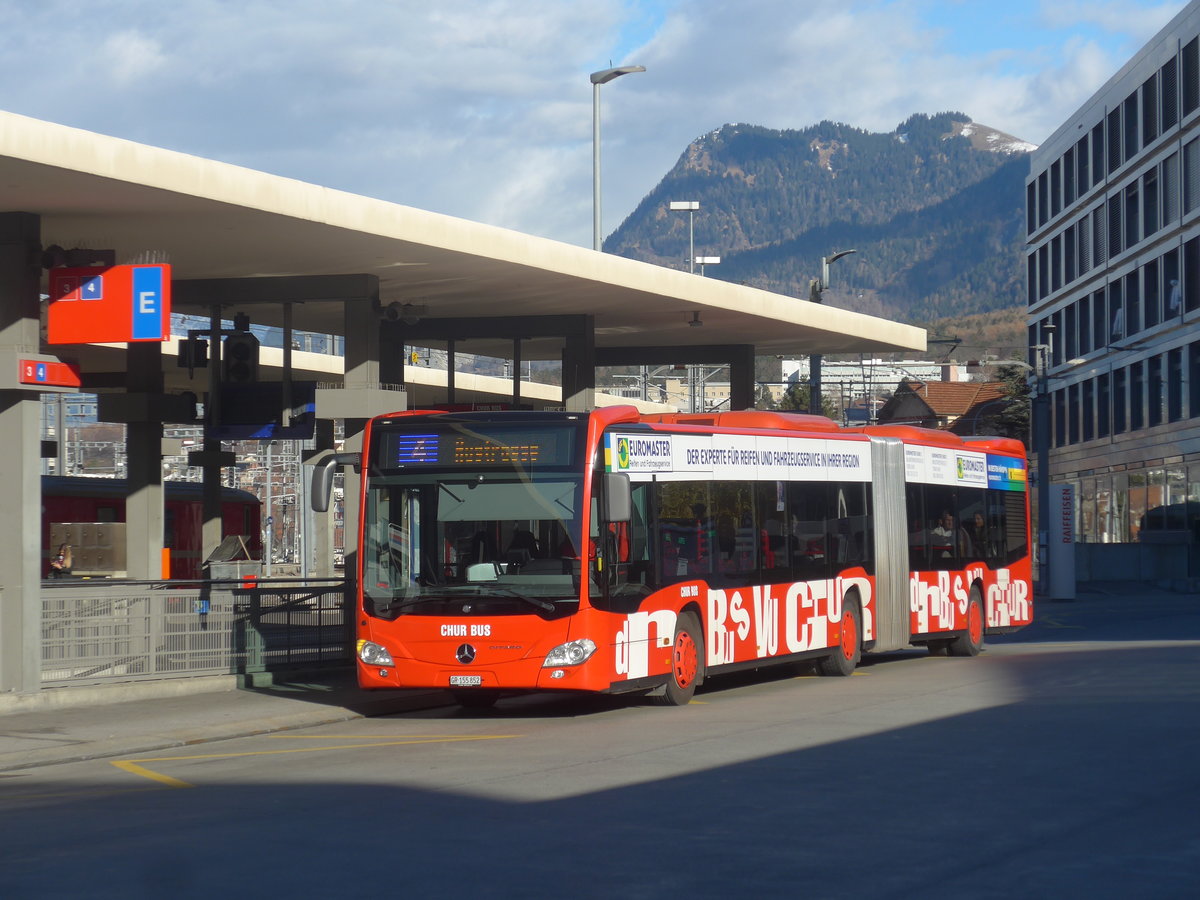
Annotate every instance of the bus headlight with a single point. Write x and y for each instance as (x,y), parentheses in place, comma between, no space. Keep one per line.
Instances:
(571,653)
(373,654)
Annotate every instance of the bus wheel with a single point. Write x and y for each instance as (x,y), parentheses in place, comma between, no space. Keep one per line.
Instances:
(687,657)
(483,699)
(970,641)
(845,656)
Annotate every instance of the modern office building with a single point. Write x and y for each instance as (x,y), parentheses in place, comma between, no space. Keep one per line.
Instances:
(1113,275)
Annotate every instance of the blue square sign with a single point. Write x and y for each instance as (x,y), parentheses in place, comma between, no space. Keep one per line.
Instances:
(92,288)
(147,303)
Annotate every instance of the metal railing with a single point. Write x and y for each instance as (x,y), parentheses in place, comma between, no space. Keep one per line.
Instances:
(98,632)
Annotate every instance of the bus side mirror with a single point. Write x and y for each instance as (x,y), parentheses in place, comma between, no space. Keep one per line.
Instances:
(618,497)
(322,477)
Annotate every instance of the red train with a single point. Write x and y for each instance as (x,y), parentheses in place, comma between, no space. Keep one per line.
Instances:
(69,505)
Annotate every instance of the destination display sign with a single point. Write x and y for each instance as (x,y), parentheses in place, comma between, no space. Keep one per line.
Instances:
(737,457)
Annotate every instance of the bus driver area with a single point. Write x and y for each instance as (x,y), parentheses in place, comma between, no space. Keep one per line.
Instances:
(710,543)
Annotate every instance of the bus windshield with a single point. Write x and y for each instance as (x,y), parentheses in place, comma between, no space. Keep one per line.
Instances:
(463,522)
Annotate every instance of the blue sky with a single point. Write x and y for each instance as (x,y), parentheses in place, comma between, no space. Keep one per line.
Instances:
(482,108)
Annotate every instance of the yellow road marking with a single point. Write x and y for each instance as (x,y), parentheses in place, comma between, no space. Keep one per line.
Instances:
(131,765)
(134,769)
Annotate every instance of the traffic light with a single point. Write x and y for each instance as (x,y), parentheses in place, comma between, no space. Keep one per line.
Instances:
(239,362)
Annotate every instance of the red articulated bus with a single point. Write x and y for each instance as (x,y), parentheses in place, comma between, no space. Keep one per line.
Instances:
(617,552)
(68,499)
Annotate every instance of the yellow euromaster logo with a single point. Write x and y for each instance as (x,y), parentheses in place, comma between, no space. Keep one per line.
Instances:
(622,453)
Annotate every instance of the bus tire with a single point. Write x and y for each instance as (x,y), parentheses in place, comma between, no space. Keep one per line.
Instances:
(687,663)
(970,642)
(480,699)
(845,656)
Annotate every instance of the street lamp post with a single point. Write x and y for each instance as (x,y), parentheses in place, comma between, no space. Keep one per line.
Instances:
(1041,445)
(604,76)
(690,207)
(817,287)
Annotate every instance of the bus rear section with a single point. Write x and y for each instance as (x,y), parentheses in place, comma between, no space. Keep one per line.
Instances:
(611,552)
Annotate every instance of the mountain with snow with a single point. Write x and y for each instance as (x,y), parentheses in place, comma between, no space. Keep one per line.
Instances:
(934,209)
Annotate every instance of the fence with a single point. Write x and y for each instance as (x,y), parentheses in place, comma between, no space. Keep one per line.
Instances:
(98,632)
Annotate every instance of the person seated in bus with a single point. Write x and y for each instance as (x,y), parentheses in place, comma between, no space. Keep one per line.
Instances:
(941,535)
(978,535)
(523,541)
(483,547)
(61,564)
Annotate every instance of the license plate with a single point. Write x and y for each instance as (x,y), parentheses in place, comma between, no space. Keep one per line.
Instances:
(466,680)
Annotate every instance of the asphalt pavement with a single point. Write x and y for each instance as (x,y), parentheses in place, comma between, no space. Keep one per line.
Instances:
(73,724)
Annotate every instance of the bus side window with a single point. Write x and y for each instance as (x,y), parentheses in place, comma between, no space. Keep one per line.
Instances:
(918,534)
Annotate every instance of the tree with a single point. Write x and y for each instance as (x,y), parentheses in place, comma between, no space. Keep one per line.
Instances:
(796,399)
(1012,419)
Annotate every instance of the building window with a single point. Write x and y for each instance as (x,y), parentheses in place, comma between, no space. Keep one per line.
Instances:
(1043,199)
(1102,405)
(1056,263)
(1059,399)
(1137,397)
(1131,215)
(1070,334)
(1085,245)
(1115,231)
(1082,169)
(1069,177)
(1151,295)
(1070,255)
(1175,384)
(1133,304)
(1089,409)
(1129,113)
(1098,153)
(1099,321)
(1031,295)
(1119,400)
(1170,189)
(1191,175)
(1055,188)
(1116,309)
(1043,270)
(1099,235)
(1114,140)
(1169,94)
(1191,76)
(1030,207)
(1085,325)
(1191,275)
(1172,289)
(1073,413)
(1150,203)
(1193,376)
(1150,110)
(1154,383)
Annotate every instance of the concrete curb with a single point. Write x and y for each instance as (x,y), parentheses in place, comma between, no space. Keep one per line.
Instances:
(185,737)
(76,697)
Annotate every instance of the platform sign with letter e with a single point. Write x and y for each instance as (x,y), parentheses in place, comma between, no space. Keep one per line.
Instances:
(102,304)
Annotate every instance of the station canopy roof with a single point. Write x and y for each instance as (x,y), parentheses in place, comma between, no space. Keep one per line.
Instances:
(213,220)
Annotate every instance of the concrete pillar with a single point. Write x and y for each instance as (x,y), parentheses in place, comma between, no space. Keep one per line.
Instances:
(143,451)
(20,488)
(579,367)
(362,373)
(741,376)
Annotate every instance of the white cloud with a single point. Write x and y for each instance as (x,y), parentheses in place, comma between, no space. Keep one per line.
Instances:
(482,108)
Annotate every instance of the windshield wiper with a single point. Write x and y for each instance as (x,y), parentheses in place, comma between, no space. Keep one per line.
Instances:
(532,601)
(467,595)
